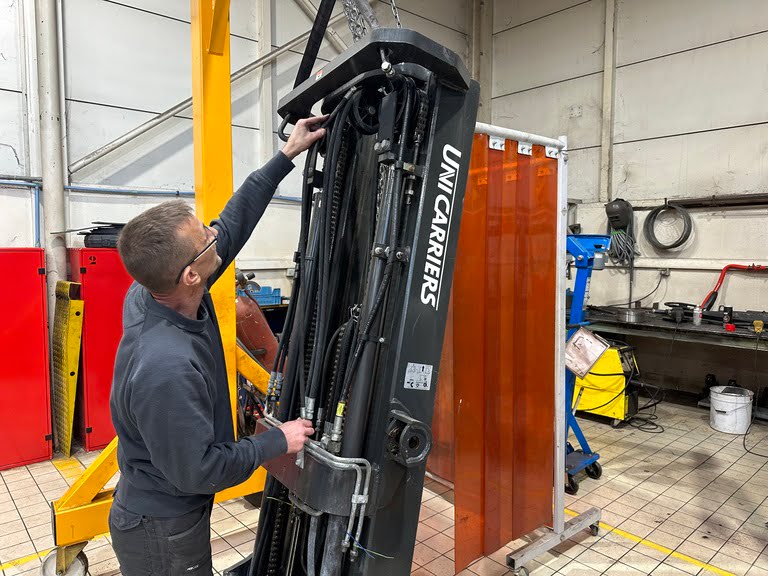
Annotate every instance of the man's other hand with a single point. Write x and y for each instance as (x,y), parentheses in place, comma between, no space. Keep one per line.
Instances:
(304,134)
(296,434)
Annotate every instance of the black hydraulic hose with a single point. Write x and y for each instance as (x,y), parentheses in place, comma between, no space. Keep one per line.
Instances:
(306,208)
(312,546)
(323,265)
(393,244)
(332,347)
(334,394)
(333,558)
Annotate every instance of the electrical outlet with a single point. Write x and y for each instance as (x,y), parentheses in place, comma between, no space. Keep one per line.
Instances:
(664,272)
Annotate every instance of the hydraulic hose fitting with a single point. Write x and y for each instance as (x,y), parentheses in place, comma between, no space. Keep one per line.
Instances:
(270,396)
(338,425)
(309,404)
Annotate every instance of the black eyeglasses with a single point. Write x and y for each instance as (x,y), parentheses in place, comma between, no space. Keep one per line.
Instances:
(200,255)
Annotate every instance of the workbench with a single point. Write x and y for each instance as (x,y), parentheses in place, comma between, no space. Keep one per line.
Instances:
(662,327)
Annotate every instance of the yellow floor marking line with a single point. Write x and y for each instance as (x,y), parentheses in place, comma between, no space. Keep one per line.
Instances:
(62,464)
(41,555)
(659,547)
(25,559)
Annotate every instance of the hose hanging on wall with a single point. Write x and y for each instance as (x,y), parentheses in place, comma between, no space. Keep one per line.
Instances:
(621,228)
(649,228)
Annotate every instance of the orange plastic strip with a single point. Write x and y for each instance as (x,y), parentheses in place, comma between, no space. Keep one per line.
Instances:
(502,350)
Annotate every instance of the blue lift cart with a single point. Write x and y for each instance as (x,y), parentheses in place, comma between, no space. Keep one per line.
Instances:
(588,252)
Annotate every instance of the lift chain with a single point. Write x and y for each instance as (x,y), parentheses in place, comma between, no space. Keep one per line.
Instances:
(395,13)
(354,19)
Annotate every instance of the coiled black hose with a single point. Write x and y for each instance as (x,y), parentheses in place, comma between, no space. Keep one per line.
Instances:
(649,228)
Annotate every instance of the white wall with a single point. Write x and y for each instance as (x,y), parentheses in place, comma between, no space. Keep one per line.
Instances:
(690,120)
(128,60)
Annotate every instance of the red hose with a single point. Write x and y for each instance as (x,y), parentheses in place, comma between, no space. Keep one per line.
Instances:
(709,301)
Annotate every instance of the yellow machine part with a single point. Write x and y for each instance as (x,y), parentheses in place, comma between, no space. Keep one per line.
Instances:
(67,334)
(604,387)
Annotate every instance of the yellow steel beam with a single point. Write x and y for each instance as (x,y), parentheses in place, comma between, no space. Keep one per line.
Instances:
(253,485)
(252,370)
(212,129)
(218,33)
(91,482)
(83,522)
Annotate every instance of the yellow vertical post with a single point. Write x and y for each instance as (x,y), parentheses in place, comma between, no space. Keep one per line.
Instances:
(212,125)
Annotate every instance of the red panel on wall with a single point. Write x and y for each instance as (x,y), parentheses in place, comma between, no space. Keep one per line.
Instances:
(104,284)
(25,401)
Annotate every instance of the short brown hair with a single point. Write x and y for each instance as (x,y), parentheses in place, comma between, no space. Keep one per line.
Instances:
(152,248)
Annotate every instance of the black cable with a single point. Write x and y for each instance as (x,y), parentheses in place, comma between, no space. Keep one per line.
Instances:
(651,293)
(621,229)
(621,392)
(754,409)
(649,227)
(646,422)
(669,353)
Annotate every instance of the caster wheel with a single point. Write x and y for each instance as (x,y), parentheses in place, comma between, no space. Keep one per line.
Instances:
(523,571)
(79,566)
(594,529)
(594,470)
(572,487)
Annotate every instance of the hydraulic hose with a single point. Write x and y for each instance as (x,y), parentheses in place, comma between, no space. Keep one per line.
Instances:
(323,264)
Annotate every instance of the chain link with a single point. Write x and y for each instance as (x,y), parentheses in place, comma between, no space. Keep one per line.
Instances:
(354,19)
(395,13)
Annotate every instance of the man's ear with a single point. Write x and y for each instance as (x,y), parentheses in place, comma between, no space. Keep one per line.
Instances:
(190,277)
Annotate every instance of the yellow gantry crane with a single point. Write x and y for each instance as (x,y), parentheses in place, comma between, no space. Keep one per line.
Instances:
(82,512)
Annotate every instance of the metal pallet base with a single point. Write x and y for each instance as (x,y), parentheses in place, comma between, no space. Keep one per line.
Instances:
(545,543)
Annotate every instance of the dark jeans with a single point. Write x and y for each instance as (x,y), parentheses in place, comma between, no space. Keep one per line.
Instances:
(153,546)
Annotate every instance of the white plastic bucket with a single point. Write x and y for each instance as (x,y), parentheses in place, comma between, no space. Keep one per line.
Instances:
(730,409)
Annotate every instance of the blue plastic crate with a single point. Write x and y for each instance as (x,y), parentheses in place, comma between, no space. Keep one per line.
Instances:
(267,296)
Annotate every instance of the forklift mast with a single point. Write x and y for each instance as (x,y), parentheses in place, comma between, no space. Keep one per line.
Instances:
(382,198)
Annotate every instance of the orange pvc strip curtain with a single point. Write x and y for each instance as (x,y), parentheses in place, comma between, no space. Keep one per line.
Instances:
(494,418)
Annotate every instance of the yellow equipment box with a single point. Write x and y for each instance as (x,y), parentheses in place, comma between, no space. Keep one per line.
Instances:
(607,390)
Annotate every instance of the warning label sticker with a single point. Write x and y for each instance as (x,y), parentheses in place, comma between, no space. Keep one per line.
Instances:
(418,376)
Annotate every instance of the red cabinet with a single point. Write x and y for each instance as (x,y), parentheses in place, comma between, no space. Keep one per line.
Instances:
(25,399)
(104,283)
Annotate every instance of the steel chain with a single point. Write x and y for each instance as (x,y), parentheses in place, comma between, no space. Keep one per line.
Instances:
(354,19)
(395,13)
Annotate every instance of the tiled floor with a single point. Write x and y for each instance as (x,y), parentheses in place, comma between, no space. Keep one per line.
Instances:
(688,501)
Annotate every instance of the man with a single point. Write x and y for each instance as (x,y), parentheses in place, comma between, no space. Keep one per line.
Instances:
(170,399)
